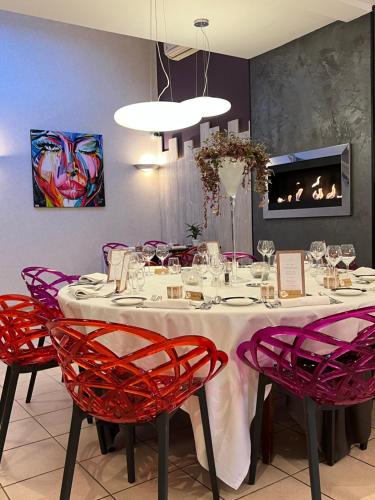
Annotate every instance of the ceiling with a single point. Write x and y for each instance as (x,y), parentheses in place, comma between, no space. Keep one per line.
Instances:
(243,28)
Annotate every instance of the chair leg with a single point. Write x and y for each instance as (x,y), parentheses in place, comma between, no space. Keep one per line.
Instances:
(71,452)
(256,429)
(8,405)
(267,431)
(33,375)
(208,442)
(363,446)
(312,447)
(162,424)
(332,429)
(4,392)
(101,437)
(129,435)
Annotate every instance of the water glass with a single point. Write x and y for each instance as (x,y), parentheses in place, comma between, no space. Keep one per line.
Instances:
(216,268)
(333,256)
(174,265)
(318,250)
(148,252)
(200,264)
(347,255)
(162,252)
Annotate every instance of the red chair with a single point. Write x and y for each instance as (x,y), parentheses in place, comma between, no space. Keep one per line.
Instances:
(110,246)
(325,372)
(22,333)
(44,285)
(147,384)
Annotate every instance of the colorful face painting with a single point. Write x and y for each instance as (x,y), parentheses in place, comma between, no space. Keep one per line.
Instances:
(67,169)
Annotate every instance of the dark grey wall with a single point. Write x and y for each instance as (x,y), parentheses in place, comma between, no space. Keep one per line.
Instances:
(310,93)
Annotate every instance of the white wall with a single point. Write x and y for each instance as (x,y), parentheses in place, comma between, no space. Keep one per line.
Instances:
(61,77)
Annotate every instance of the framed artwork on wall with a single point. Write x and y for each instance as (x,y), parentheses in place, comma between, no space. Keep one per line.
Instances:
(67,169)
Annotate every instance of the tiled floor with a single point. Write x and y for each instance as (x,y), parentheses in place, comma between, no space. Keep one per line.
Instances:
(32,464)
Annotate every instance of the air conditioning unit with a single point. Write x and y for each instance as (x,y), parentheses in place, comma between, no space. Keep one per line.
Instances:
(176,52)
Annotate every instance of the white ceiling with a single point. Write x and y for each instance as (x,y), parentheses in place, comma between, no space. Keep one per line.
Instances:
(243,28)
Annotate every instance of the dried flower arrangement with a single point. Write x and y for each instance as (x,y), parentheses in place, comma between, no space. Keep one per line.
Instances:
(209,159)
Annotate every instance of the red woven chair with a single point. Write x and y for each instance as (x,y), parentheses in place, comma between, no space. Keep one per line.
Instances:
(325,372)
(147,384)
(110,246)
(22,332)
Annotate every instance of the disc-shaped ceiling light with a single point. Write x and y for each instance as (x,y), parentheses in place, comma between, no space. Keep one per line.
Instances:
(206,105)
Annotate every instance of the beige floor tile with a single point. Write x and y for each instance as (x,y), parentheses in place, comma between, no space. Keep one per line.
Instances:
(348,479)
(181,448)
(47,487)
(54,373)
(47,402)
(88,443)
(290,453)
(24,432)
(283,490)
(181,486)
(3,495)
(365,455)
(43,384)
(18,413)
(58,422)
(27,461)
(266,475)
(111,472)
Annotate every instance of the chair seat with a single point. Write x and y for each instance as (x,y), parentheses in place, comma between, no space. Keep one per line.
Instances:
(38,357)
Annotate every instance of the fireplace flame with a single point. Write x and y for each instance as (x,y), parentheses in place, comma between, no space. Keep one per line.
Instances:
(318,194)
(332,193)
(280,200)
(290,198)
(316,183)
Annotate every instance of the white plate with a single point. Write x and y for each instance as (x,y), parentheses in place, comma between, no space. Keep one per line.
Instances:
(365,277)
(349,292)
(128,301)
(238,301)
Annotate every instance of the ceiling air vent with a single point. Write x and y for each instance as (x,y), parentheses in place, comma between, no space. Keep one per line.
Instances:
(176,52)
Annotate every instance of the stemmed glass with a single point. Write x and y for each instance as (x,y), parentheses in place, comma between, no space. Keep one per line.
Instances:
(162,252)
(134,267)
(347,255)
(333,256)
(317,250)
(270,250)
(200,264)
(216,268)
(262,248)
(148,252)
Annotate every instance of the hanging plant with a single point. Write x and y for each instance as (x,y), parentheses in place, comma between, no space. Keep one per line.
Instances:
(210,158)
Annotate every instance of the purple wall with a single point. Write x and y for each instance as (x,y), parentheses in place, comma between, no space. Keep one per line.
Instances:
(228,77)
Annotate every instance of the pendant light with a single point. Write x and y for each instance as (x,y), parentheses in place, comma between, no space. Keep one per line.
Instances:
(157,116)
(208,106)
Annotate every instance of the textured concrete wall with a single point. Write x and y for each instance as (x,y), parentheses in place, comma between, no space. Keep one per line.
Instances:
(310,93)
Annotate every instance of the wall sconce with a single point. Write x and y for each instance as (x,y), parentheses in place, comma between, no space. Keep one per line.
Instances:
(147,167)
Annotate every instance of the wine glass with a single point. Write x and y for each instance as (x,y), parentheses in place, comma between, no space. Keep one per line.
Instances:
(174,265)
(162,252)
(307,260)
(216,268)
(262,248)
(317,250)
(202,248)
(134,267)
(270,249)
(148,252)
(347,255)
(200,264)
(333,256)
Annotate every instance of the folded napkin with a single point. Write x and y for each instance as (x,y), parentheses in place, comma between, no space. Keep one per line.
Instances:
(322,300)
(93,278)
(364,270)
(167,304)
(82,292)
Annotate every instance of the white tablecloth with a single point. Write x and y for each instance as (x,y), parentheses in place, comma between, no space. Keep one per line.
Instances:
(232,394)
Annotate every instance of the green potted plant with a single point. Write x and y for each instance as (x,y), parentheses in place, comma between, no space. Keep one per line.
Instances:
(194,231)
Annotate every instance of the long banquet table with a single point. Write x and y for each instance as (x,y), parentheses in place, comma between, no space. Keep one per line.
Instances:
(231,396)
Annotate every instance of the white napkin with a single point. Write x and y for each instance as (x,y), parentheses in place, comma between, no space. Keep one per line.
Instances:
(93,278)
(167,304)
(364,270)
(305,301)
(82,292)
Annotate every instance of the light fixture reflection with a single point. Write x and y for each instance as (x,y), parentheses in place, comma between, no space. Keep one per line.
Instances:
(147,167)
(208,106)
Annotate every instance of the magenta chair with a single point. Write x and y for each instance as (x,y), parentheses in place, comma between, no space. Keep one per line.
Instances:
(155,243)
(343,376)
(240,255)
(110,246)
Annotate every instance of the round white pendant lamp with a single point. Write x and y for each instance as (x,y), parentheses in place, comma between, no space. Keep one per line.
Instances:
(208,106)
(157,116)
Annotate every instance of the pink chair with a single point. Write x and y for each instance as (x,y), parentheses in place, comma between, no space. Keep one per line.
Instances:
(155,243)
(239,256)
(327,373)
(110,246)
(186,257)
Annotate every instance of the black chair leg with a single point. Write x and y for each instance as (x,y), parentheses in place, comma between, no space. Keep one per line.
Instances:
(162,424)
(312,447)
(90,420)
(363,446)
(332,429)
(4,392)
(71,452)
(101,437)
(256,429)
(129,435)
(208,442)
(31,386)
(8,405)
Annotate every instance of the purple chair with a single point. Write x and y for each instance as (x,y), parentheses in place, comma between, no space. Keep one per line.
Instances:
(155,243)
(240,255)
(325,372)
(110,246)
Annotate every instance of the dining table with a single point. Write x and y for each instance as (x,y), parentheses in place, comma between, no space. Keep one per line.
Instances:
(231,396)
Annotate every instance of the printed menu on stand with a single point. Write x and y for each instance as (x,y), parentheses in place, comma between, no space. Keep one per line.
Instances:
(118,268)
(290,274)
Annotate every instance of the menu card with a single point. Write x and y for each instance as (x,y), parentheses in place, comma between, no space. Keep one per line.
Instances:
(212,248)
(290,274)
(118,268)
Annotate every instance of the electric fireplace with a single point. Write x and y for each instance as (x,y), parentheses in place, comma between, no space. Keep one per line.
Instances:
(312,183)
